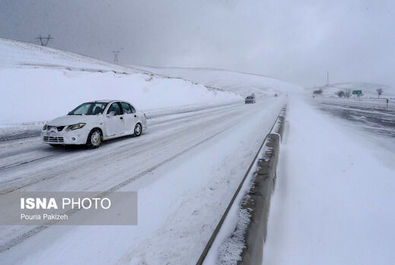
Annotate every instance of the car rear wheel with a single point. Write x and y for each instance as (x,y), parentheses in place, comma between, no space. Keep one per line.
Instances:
(95,138)
(138,130)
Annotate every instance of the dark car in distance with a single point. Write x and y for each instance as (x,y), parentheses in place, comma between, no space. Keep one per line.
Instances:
(250,99)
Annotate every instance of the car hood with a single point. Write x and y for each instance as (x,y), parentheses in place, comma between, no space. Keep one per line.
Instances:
(73,119)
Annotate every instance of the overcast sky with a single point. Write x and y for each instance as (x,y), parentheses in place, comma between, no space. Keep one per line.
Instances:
(294,40)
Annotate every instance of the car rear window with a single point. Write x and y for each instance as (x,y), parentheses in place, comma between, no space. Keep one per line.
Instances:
(127,108)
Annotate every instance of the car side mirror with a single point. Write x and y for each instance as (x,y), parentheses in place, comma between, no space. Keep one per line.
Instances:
(111,113)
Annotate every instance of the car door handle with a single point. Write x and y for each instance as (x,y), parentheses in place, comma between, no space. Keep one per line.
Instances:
(121,118)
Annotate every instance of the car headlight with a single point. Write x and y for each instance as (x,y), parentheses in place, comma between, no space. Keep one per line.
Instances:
(45,127)
(76,126)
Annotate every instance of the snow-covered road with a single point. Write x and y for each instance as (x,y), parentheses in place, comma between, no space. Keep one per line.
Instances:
(374,115)
(334,196)
(192,162)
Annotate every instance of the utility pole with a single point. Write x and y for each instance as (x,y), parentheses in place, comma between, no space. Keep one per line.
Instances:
(116,53)
(44,40)
(327,78)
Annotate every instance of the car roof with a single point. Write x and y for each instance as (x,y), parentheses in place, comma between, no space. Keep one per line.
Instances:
(108,101)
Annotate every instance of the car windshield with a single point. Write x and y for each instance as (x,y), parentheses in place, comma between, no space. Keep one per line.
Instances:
(90,108)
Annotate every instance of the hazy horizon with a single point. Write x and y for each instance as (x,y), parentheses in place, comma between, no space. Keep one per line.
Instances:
(294,41)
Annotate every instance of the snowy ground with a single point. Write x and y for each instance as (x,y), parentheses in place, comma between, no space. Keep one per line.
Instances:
(178,205)
(372,103)
(33,129)
(334,193)
(369,90)
(43,94)
(16,54)
(238,82)
(185,168)
(55,82)
(376,117)
(334,196)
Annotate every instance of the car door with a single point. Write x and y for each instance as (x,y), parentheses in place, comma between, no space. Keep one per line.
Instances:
(129,117)
(114,121)
(134,115)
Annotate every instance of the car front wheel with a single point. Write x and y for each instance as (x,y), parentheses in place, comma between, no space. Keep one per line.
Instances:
(138,129)
(95,138)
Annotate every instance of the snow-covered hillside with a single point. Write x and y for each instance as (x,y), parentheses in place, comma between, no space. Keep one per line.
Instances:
(238,82)
(41,83)
(22,54)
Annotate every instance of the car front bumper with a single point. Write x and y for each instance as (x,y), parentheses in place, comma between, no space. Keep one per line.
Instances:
(77,137)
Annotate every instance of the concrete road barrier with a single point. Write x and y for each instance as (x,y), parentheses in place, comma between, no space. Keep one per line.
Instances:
(256,201)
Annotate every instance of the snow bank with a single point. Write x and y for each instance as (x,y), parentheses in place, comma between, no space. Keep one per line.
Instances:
(40,83)
(238,82)
(41,94)
(333,202)
(374,103)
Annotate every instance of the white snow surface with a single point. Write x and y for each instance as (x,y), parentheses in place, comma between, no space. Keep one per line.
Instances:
(185,168)
(334,196)
(40,83)
(378,103)
(238,82)
(180,202)
(22,54)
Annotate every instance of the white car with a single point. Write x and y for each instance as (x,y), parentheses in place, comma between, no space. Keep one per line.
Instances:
(92,122)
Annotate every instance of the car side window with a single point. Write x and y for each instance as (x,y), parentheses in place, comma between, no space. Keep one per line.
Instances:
(133,109)
(115,107)
(126,108)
